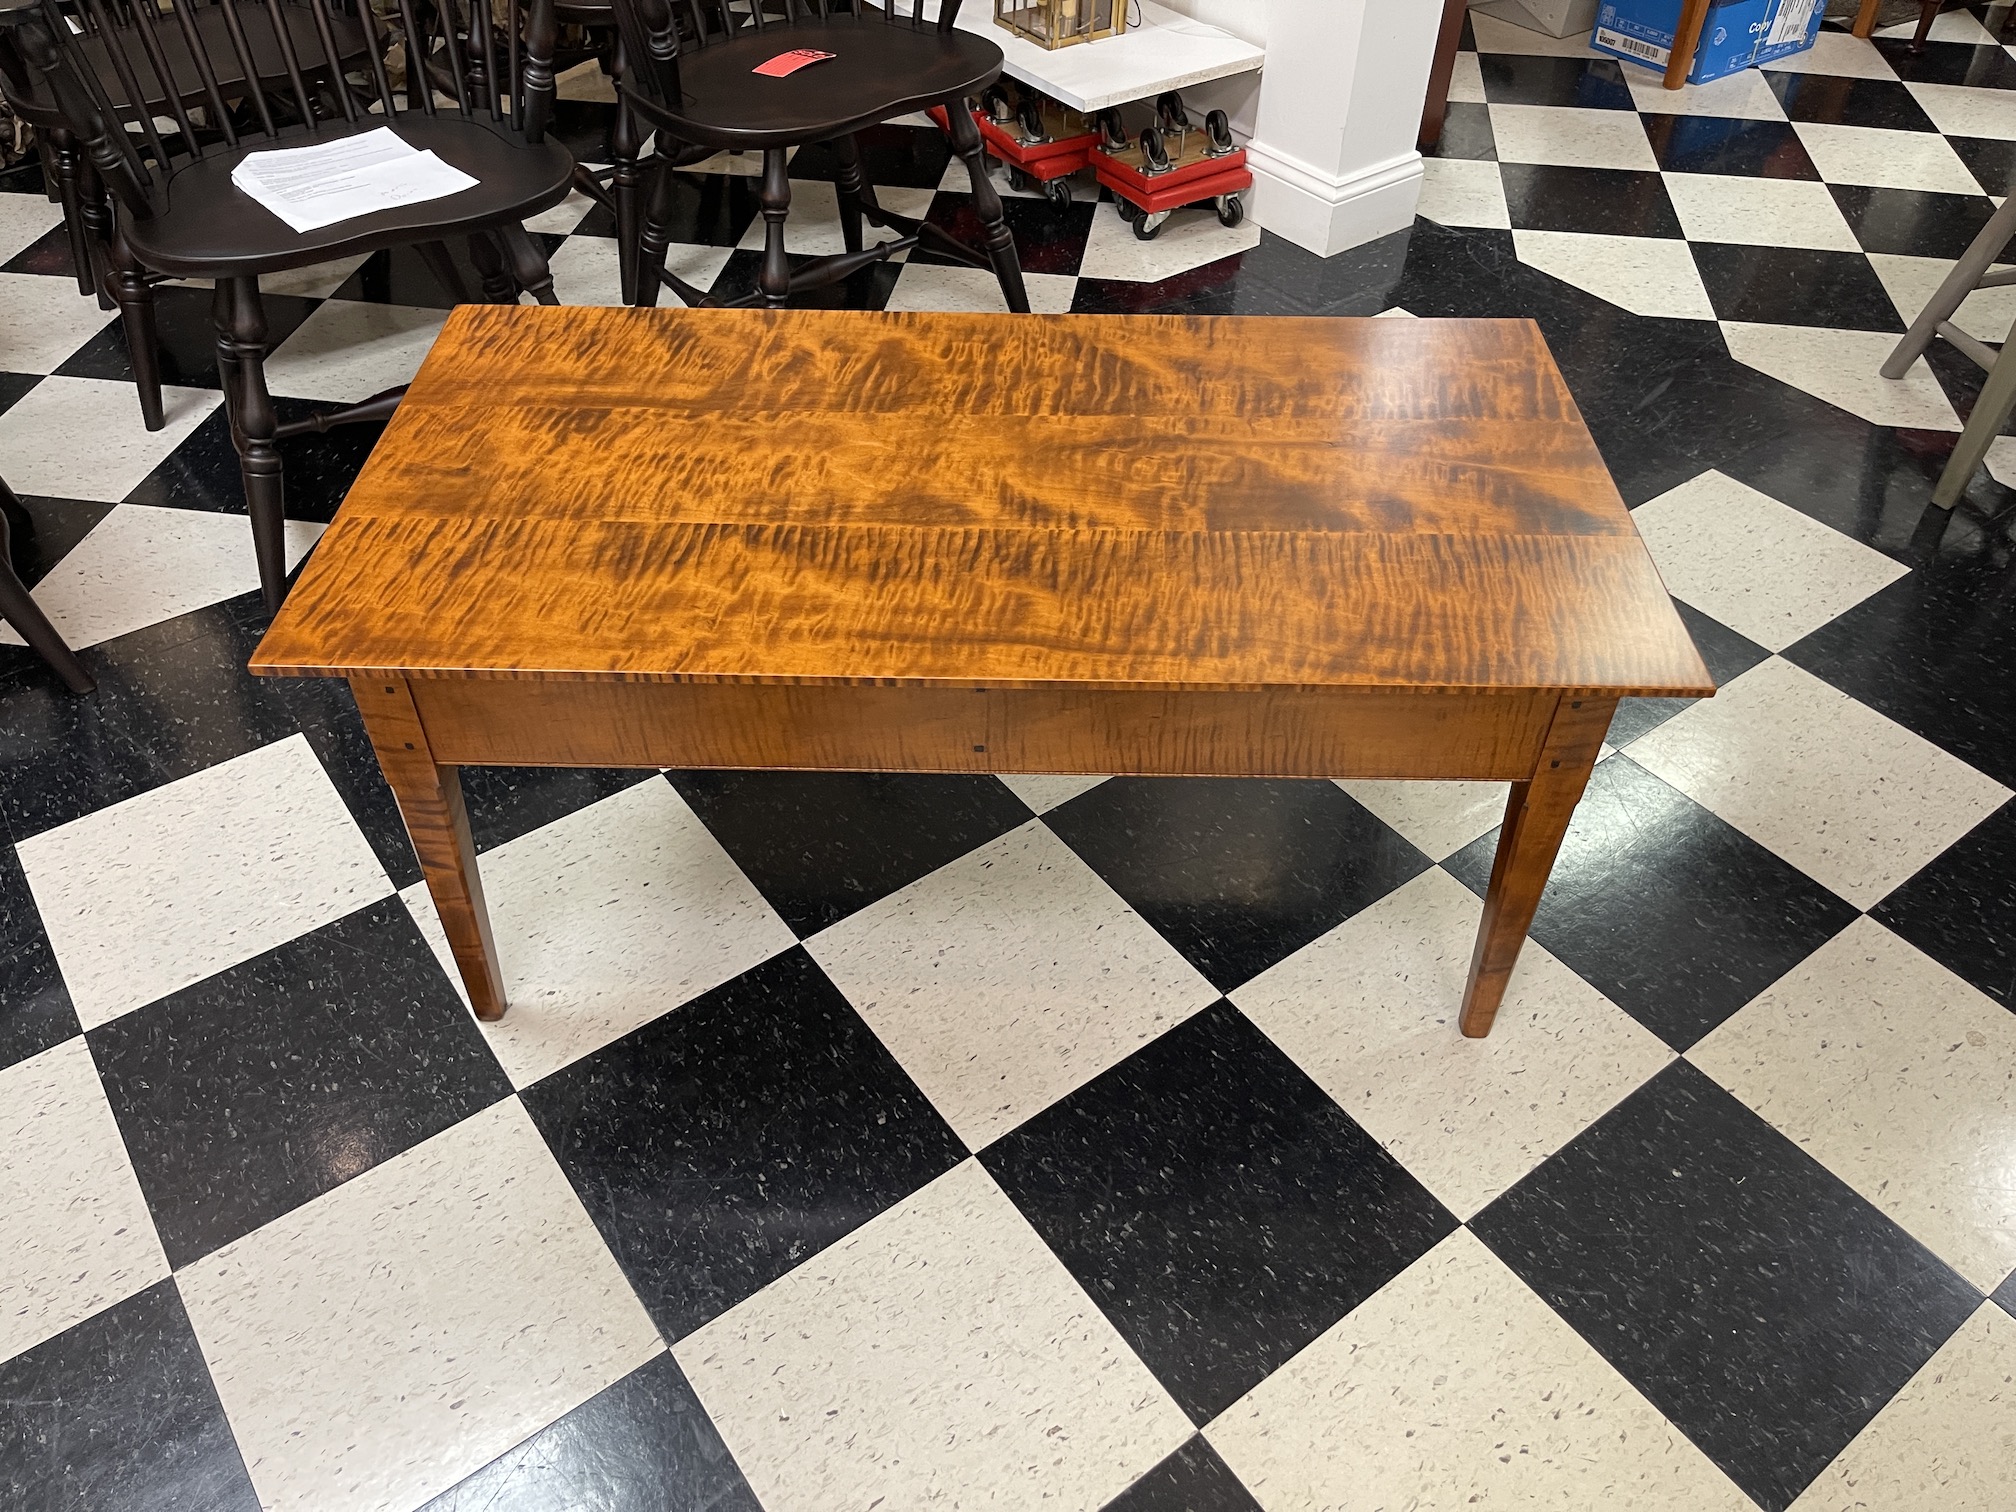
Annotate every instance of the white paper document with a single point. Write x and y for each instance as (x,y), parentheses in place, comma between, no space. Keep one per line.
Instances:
(317,186)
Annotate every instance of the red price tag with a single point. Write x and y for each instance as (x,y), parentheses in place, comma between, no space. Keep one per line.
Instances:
(790,62)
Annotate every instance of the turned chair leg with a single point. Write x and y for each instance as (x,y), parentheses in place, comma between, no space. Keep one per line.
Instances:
(999,242)
(136,312)
(241,361)
(1928,12)
(497,285)
(69,166)
(775,199)
(19,609)
(528,263)
(1991,412)
(849,187)
(94,210)
(626,189)
(653,236)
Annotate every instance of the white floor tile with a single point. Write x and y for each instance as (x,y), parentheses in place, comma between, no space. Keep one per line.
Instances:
(585,81)
(1369,1012)
(73,1224)
(376,1345)
(1843,368)
(1466,82)
(1642,274)
(813,229)
(604,921)
(1759,212)
(1837,53)
(1043,792)
(1189,239)
(349,350)
(1760,567)
(142,564)
(1742,96)
(1953,26)
(1440,818)
(1852,799)
(1571,138)
(1946,1441)
(1899,1078)
(1886,159)
(316,281)
(934,286)
(1962,111)
(585,270)
(178,883)
(1007,979)
(82,438)
(1463,192)
(939,1356)
(47,320)
(1986,314)
(24,219)
(1455,1387)
(564,217)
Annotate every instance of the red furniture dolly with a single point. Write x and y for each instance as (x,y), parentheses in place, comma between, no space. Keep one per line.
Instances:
(1204,169)
(1048,164)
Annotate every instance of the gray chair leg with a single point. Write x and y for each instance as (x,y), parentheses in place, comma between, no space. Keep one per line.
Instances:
(1991,413)
(1962,281)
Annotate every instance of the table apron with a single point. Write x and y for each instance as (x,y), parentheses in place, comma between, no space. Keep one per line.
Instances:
(1279,733)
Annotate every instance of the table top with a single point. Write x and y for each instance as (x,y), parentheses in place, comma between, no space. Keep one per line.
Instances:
(1160,502)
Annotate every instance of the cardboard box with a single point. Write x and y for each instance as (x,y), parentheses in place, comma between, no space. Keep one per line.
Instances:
(1553,18)
(1739,33)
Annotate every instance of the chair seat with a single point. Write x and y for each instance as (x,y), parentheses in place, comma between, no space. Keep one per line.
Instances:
(878,71)
(267,59)
(205,226)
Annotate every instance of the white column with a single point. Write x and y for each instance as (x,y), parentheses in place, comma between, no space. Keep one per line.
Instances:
(1333,157)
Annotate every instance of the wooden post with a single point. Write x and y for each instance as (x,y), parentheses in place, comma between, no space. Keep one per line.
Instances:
(1686,38)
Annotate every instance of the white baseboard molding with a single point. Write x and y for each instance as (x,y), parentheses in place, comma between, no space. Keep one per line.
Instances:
(1329,215)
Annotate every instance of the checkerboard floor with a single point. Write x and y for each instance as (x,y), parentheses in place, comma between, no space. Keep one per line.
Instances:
(866,1141)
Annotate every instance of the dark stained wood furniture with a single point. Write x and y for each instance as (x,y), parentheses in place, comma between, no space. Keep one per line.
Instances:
(972,543)
(687,74)
(19,608)
(1448,42)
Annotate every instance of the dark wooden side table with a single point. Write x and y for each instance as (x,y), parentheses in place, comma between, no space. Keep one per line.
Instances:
(967,543)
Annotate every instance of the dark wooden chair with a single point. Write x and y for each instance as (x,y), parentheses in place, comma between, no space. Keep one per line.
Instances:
(87,215)
(178,213)
(20,610)
(688,75)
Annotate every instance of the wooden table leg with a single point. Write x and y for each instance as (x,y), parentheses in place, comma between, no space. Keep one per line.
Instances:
(1865,18)
(1686,39)
(1536,817)
(430,801)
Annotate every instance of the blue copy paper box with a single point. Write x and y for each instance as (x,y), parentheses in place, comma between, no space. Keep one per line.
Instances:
(1738,34)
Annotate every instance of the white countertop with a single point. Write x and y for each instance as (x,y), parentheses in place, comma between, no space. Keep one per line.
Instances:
(1167,50)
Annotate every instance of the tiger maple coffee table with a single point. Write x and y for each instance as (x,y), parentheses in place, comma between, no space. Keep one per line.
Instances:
(1155,545)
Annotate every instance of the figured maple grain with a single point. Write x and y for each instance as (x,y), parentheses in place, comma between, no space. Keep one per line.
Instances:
(1117,502)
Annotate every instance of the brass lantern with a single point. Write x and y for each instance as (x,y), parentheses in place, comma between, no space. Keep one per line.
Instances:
(1060,23)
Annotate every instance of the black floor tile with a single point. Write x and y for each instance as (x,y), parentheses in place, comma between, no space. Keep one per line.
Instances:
(896,157)
(1047,239)
(13,386)
(1603,201)
(2005,1295)
(1795,286)
(49,253)
(1991,161)
(1869,482)
(1727,654)
(1669,912)
(727,1142)
(1934,652)
(1214,289)
(1976,64)
(118,1415)
(1466,133)
(866,289)
(1717,144)
(1236,874)
(704,210)
(185,338)
(35,1010)
(1755,1299)
(644,1444)
(1193,1479)
(262,1087)
(583,127)
(396,275)
(51,532)
(317,469)
(1912,222)
(1959,909)
(172,699)
(820,845)
(1829,100)
(1585,83)
(1216,1204)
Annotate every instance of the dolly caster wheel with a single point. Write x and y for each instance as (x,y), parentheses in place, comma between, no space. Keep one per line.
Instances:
(1148,227)
(1018,180)
(1058,192)
(1128,210)
(1230,210)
